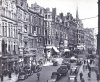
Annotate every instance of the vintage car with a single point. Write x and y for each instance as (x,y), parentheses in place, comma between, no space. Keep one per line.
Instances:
(22,75)
(74,70)
(72,78)
(62,70)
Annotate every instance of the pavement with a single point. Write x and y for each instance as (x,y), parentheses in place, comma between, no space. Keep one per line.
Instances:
(85,75)
(13,79)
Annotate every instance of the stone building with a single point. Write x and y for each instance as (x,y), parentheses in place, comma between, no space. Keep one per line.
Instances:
(36,30)
(79,34)
(72,26)
(89,40)
(8,33)
(23,28)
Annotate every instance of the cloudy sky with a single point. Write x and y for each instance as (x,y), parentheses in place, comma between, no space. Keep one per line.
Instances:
(86,9)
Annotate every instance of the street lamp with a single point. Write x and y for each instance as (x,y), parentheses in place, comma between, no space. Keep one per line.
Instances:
(98,36)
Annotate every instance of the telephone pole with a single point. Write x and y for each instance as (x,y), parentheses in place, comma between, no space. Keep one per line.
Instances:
(98,36)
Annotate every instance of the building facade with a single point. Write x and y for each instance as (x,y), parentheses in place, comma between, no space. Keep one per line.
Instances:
(23,29)
(36,30)
(89,40)
(8,33)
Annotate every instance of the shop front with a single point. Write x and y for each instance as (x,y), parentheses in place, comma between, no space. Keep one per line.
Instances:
(8,63)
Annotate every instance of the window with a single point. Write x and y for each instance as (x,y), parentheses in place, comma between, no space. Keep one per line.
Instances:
(25,44)
(46,16)
(34,28)
(0,28)
(11,32)
(8,30)
(39,30)
(25,27)
(9,46)
(14,32)
(3,28)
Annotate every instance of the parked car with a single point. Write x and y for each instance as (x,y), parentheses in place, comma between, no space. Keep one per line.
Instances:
(62,70)
(66,63)
(22,75)
(72,78)
(27,70)
(74,70)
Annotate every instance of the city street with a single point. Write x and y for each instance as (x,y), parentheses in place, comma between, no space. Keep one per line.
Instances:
(45,74)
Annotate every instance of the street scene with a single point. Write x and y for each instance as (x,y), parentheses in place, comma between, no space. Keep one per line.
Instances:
(49,41)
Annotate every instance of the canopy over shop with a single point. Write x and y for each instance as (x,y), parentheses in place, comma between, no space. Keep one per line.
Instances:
(52,50)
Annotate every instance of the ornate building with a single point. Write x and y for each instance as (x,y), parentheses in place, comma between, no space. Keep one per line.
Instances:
(23,28)
(8,33)
(89,40)
(36,30)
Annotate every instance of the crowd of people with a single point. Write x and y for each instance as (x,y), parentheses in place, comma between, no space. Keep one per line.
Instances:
(87,65)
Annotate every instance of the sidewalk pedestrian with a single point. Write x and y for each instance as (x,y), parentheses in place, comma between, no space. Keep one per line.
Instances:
(1,77)
(82,80)
(9,74)
(89,74)
(38,75)
(81,75)
(98,76)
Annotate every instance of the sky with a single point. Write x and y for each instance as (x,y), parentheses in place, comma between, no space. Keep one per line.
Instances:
(86,9)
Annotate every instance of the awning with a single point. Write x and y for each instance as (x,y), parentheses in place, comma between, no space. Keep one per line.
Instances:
(66,50)
(29,55)
(50,47)
(55,49)
(73,58)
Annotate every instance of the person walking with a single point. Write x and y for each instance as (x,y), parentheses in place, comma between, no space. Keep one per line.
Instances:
(89,75)
(38,75)
(9,74)
(81,75)
(82,80)
(98,76)
(1,77)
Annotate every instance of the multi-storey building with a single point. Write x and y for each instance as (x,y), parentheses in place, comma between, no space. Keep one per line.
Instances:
(8,33)
(79,34)
(72,25)
(36,30)
(48,23)
(23,27)
(60,31)
(89,40)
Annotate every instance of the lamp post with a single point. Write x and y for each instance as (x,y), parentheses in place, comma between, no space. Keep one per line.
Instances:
(98,35)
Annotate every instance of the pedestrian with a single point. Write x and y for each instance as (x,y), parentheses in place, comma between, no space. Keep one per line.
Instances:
(9,74)
(1,77)
(82,80)
(89,74)
(89,68)
(98,76)
(38,75)
(81,75)
(84,61)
